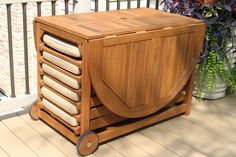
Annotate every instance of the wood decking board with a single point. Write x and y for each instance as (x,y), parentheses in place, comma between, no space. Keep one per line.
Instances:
(12,144)
(171,143)
(197,137)
(209,131)
(228,103)
(150,146)
(52,136)
(31,138)
(3,153)
(106,151)
(221,121)
(127,148)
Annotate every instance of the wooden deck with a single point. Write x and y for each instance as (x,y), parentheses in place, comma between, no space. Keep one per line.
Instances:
(210,130)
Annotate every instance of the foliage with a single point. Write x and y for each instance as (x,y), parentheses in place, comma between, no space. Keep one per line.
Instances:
(219,18)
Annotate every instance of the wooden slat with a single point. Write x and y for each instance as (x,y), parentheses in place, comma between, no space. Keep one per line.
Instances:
(13,145)
(99,112)
(78,78)
(96,112)
(144,90)
(71,60)
(120,130)
(74,129)
(77,104)
(105,121)
(77,91)
(86,94)
(149,34)
(63,35)
(59,127)
(139,19)
(40,146)
(95,101)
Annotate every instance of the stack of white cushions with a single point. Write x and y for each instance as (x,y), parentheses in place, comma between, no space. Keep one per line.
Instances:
(59,90)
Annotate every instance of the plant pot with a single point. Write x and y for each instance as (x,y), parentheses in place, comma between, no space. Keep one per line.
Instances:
(233,30)
(220,89)
(218,92)
(231,56)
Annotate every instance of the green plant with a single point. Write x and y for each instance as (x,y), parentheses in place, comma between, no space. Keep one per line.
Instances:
(213,63)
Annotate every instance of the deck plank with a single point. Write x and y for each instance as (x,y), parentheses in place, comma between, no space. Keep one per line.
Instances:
(214,119)
(197,137)
(228,103)
(144,143)
(51,135)
(3,153)
(12,145)
(171,142)
(127,148)
(105,150)
(208,131)
(31,138)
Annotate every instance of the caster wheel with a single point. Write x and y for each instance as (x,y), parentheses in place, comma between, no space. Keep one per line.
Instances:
(87,143)
(34,112)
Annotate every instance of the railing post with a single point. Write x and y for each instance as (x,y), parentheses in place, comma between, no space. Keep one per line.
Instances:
(157,4)
(118,5)
(138,3)
(148,4)
(128,4)
(9,25)
(66,6)
(53,8)
(25,48)
(107,5)
(39,8)
(96,5)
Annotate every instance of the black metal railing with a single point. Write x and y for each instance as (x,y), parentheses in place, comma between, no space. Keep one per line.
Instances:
(24,3)
(118,4)
(25,36)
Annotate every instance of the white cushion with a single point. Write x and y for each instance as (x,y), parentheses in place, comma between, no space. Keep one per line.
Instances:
(67,106)
(61,45)
(60,113)
(61,89)
(61,63)
(60,76)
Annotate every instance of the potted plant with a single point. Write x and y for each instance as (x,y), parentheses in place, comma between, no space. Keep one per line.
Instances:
(216,72)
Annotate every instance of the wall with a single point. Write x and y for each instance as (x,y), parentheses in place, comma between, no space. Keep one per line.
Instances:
(18,46)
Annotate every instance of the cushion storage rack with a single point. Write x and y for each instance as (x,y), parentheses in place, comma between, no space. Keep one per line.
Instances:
(102,75)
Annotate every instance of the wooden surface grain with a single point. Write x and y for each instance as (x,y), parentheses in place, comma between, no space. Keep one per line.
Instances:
(142,75)
(97,25)
(208,128)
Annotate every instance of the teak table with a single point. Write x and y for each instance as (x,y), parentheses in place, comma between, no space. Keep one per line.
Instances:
(136,66)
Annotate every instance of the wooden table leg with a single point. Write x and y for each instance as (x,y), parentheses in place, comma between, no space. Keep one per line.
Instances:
(188,95)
